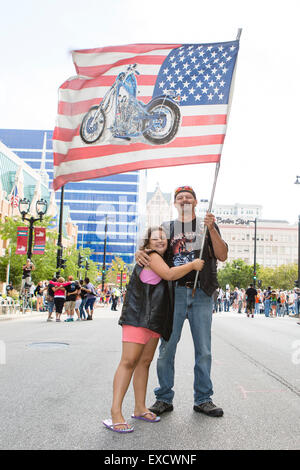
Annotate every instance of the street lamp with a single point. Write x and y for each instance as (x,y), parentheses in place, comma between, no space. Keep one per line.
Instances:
(121,269)
(104,250)
(254,261)
(41,209)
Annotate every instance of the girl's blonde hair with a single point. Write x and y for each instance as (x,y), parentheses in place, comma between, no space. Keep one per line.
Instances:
(60,279)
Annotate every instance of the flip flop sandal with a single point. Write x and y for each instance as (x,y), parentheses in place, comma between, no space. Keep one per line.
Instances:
(109,424)
(143,417)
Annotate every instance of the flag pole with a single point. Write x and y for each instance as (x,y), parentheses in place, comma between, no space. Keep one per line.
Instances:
(212,193)
(205,228)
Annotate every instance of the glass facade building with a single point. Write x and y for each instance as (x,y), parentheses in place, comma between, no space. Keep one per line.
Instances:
(117,199)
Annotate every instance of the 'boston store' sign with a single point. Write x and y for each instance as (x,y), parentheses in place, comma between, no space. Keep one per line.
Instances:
(220,220)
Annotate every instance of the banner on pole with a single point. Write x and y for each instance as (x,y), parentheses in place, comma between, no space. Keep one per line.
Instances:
(39,241)
(124,277)
(118,278)
(142,106)
(22,237)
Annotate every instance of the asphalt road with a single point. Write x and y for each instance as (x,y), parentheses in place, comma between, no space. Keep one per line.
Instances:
(55,396)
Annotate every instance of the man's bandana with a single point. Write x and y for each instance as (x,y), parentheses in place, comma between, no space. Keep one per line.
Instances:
(186,189)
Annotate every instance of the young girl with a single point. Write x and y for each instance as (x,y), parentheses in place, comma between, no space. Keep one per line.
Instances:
(147,315)
(39,295)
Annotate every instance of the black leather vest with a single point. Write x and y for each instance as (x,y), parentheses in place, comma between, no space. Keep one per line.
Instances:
(208,276)
(149,306)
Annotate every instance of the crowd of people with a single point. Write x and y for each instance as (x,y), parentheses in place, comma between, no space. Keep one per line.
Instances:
(71,297)
(270,302)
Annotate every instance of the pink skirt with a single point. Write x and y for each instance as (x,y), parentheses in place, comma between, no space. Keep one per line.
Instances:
(137,334)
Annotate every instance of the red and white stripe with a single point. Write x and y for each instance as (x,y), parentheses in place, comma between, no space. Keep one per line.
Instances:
(14,200)
(199,139)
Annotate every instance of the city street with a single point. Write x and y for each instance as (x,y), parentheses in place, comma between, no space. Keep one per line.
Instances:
(56,386)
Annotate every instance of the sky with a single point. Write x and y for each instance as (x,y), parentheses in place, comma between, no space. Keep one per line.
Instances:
(260,158)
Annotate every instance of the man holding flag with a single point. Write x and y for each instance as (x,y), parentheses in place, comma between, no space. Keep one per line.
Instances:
(140,106)
(185,239)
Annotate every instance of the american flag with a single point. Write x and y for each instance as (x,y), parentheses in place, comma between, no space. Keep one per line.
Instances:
(199,75)
(14,197)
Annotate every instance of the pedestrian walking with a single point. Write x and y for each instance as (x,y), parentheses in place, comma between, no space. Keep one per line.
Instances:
(257,302)
(78,302)
(185,236)
(235,302)
(50,299)
(251,294)
(273,303)
(91,298)
(147,314)
(83,295)
(267,301)
(38,292)
(114,301)
(227,300)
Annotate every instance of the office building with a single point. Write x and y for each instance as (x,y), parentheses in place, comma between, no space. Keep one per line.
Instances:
(117,197)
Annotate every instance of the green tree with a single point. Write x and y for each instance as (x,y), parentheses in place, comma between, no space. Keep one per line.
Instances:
(116,267)
(237,274)
(282,277)
(45,264)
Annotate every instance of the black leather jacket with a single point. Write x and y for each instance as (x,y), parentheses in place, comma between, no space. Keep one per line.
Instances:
(148,306)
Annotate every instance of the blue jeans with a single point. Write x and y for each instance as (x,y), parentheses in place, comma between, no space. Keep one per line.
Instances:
(267,307)
(198,311)
(50,306)
(82,309)
(89,304)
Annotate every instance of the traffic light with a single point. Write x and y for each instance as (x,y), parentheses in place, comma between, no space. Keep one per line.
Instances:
(87,265)
(296,283)
(63,263)
(80,261)
(254,276)
(259,283)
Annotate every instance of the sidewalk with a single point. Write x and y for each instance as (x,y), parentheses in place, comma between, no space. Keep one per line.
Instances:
(99,309)
(19,315)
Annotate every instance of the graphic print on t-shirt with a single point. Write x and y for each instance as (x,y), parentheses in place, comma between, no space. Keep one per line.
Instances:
(186,241)
(182,248)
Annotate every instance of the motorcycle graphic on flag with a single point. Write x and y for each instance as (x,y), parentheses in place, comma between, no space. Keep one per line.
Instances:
(127,118)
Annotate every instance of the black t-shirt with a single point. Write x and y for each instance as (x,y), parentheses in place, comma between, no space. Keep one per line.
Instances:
(185,239)
(50,290)
(251,293)
(70,288)
(26,272)
(83,293)
(268,295)
(38,289)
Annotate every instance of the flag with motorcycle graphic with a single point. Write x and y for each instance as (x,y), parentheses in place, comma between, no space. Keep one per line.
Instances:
(142,106)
